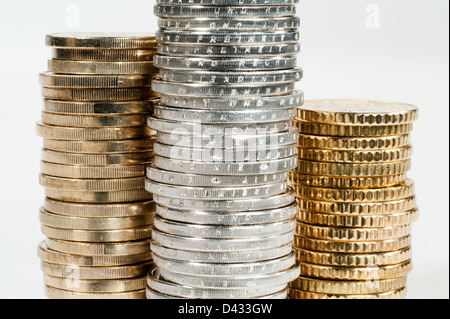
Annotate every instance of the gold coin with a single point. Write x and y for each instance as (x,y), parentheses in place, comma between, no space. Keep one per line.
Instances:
(99,210)
(94,120)
(351,130)
(94,172)
(388,220)
(299,294)
(357,112)
(98,197)
(98,107)
(343,287)
(53,80)
(103,250)
(95,159)
(95,273)
(116,94)
(91,133)
(92,185)
(350,233)
(101,147)
(101,67)
(344,156)
(356,195)
(297,179)
(352,246)
(101,40)
(356,273)
(104,54)
(353,170)
(54,293)
(353,143)
(57,257)
(352,208)
(98,236)
(353,260)
(96,286)
(109,223)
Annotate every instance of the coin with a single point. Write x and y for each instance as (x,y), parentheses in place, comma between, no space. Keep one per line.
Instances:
(281,76)
(109,223)
(353,260)
(91,133)
(102,94)
(54,293)
(353,143)
(217,64)
(98,197)
(94,121)
(396,294)
(92,172)
(234,24)
(356,273)
(101,67)
(98,107)
(102,40)
(352,246)
(100,147)
(48,79)
(99,236)
(185,11)
(233,51)
(97,54)
(200,38)
(357,112)
(227,2)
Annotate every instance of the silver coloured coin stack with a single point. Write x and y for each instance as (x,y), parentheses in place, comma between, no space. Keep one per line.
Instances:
(225,215)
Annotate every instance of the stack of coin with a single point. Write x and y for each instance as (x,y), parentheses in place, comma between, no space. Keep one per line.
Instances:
(224,148)
(97,216)
(356,202)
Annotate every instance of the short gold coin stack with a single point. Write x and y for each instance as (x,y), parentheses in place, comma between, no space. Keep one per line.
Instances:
(356,202)
(97,215)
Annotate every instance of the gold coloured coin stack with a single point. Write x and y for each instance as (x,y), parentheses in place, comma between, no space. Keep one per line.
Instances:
(97,216)
(356,202)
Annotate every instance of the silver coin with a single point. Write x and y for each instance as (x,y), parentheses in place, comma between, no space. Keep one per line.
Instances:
(219,117)
(226,38)
(234,51)
(221,231)
(224,154)
(230,206)
(233,168)
(156,282)
(184,11)
(272,102)
(227,218)
(236,24)
(199,129)
(222,257)
(227,78)
(175,178)
(217,90)
(278,278)
(213,64)
(227,2)
(214,193)
(221,245)
(230,139)
(225,270)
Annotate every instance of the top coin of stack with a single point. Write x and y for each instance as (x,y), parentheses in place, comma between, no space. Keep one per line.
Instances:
(97,215)
(225,217)
(356,202)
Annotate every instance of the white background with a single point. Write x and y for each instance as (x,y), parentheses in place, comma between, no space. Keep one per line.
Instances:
(404,59)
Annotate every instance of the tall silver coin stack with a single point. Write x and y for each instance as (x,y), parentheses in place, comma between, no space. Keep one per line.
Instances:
(97,216)
(225,216)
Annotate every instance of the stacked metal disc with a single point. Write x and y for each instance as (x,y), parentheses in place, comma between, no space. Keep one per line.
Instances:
(356,202)
(224,148)
(97,216)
